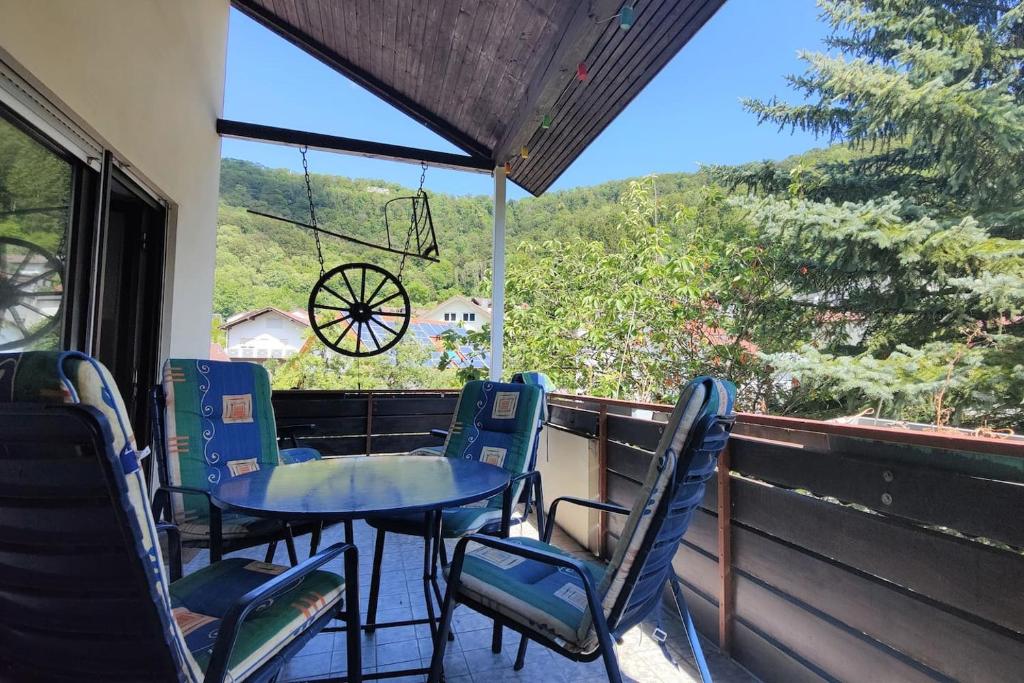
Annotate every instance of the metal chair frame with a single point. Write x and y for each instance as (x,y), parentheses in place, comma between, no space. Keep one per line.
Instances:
(218,545)
(707,436)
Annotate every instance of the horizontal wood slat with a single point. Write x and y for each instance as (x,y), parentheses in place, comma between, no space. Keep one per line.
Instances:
(921,494)
(917,627)
(643,434)
(963,574)
(826,642)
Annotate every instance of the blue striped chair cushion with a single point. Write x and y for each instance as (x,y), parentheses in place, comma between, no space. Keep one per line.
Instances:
(545,598)
(200,601)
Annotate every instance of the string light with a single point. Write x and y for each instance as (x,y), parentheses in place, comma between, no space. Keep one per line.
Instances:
(581,72)
(545,122)
(524,152)
(508,167)
(626,17)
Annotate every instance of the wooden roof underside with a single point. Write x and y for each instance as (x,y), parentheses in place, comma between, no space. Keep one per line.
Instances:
(483,74)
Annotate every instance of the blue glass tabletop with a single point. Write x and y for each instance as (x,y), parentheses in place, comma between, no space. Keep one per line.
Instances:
(358,487)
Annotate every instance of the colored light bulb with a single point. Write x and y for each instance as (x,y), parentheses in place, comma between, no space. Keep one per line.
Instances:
(626,17)
(524,152)
(581,72)
(545,122)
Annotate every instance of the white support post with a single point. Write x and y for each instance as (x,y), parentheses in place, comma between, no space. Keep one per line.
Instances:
(498,276)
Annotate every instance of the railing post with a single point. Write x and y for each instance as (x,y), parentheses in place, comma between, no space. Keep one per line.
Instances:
(725,590)
(369,423)
(602,478)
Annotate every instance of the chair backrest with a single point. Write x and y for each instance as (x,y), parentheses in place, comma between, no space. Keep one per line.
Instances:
(217,423)
(83,588)
(686,457)
(541,380)
(496,423)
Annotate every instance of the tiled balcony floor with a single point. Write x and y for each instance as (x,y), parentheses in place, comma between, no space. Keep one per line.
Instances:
(469,658)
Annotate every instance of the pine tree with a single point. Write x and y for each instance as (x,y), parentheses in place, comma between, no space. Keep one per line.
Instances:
(909,244)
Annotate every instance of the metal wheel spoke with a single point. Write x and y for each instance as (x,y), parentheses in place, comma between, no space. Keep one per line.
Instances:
(18,321)
(339,296)
(343,333)
(359,335)
(384,301)
(34,278)
(330,308)
(385,326)
(369,301)
(334,322)
(369,326)
(349,285)
(32,308)
(390,313)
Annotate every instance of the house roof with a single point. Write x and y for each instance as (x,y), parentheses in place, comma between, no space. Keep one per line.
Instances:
(484,75)
(296,316)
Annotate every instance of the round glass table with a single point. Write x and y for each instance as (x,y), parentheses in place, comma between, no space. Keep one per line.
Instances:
(349,488)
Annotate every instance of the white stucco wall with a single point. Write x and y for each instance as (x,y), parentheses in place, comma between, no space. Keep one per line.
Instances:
(263,336)
(459,308)
(147,78)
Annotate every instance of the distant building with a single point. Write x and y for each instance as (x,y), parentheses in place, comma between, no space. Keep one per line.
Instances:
(469,312)
(265,333)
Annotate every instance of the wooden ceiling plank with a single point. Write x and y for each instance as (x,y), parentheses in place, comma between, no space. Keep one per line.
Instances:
(526,59)
(608,55)
(501,24)
(580,31)
(628,84)
(432,48)
(460,24)
(468,72)
(362,77)
(389,42)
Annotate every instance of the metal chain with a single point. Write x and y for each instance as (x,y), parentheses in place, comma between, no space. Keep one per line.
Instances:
(414,218)
(312,210)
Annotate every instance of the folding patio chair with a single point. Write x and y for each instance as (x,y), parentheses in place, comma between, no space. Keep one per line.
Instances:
(83,587)
(574,607)
(494,422)
(213,420)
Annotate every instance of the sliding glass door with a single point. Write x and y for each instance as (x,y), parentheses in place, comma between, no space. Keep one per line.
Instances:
(81,260)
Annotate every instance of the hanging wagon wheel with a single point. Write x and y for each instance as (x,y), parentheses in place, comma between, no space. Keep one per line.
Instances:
(31,292)
(359,309)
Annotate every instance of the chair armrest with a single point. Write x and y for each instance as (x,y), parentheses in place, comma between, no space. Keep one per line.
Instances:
(583,502)
(552,559)
(439,433)
(173,547)
(231,624)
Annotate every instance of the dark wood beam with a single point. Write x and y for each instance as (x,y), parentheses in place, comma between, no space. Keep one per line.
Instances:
(338,62)
(365,148)
(582,26)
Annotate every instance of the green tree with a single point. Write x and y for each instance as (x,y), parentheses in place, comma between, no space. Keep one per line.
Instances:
(908,246)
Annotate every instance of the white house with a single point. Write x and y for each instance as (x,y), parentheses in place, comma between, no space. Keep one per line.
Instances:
(265,333)
(471,313)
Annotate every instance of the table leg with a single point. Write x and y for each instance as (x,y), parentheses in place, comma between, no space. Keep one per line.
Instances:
(354,632)
(216,535)
(349,533)
(430,531)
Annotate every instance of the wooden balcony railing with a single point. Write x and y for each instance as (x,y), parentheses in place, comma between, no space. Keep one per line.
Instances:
(829,552)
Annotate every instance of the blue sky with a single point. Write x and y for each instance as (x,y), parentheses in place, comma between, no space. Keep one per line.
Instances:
(689,114)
